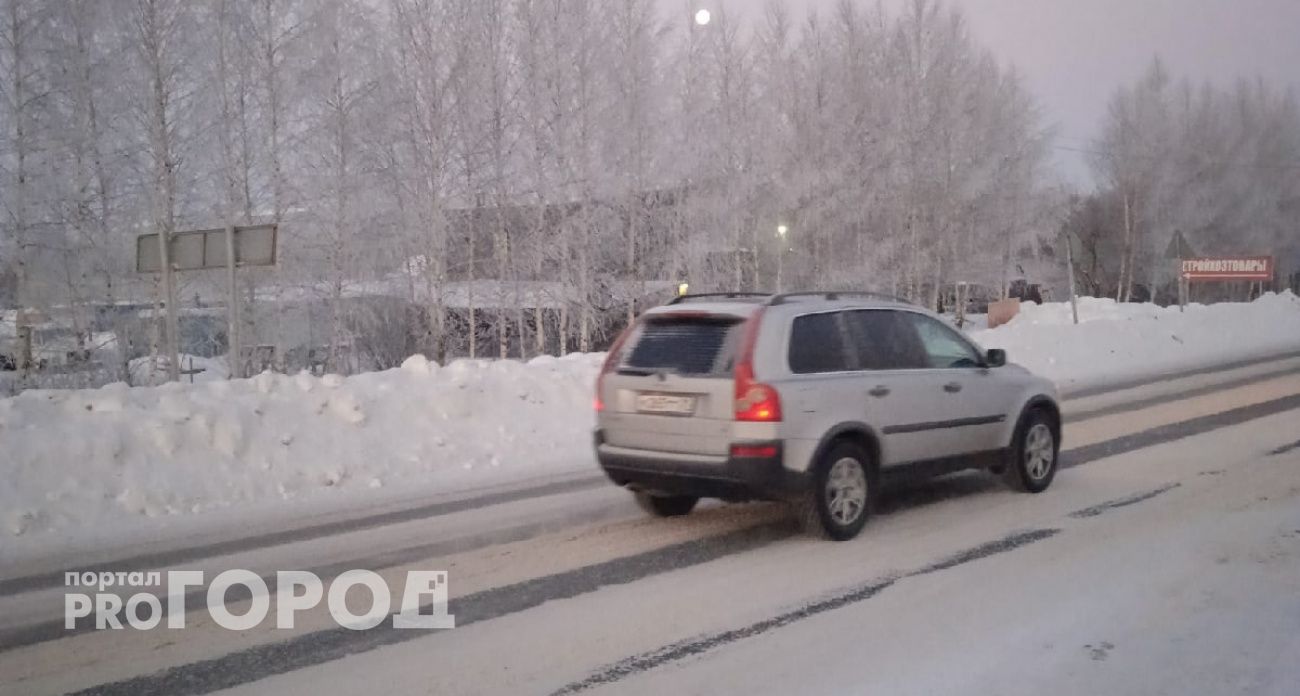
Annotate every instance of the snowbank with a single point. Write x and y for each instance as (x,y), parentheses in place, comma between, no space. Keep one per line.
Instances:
(117,463)
(1115,342)
(106,462)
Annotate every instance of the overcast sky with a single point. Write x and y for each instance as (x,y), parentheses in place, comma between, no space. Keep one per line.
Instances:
(1074,53)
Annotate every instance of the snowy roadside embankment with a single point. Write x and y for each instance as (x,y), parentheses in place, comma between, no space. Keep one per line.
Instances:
(116,465)
(108,463)
(1115,343)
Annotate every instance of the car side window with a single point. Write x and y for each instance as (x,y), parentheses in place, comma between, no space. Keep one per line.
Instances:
(944,348)
(817,344)
(885,340)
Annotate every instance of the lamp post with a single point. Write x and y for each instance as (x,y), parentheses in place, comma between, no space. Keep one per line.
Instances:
(781,231)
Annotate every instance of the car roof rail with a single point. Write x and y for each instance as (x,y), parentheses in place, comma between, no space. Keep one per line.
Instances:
(751,296)
(837,294)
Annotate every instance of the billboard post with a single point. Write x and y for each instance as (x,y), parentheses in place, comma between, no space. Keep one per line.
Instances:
(225,249)
(171,322)
(236,363)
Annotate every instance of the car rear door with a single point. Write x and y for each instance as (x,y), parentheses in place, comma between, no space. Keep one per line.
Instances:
(820,392)
(673,390)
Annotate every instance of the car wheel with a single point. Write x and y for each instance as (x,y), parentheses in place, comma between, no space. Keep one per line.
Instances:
(1034,458)
(666,505)
(839,501)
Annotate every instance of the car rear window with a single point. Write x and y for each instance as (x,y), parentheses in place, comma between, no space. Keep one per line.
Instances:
(886,340)
(687,346)
(817,344)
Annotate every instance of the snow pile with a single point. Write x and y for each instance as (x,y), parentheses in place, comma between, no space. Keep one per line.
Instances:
(1116,342)
(83,462)
(117,462)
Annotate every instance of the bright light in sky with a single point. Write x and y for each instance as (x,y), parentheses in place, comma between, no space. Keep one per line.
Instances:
(1216,40)
(702,17)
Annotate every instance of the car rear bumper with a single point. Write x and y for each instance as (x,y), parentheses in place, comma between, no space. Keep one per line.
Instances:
(725,477)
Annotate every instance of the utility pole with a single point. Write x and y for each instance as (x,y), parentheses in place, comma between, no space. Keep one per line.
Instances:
(1178,250)
(1069,265)
(781,231)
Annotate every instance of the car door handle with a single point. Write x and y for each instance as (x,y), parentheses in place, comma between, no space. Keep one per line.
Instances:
(880,392)
(952,387)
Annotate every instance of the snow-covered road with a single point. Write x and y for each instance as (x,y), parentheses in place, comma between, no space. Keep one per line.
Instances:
(1167,559)
(90,472)
(1195,590)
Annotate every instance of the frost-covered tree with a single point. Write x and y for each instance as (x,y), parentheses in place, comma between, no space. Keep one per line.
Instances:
(427,60)
(527,175)
(22,95)
(1215,164)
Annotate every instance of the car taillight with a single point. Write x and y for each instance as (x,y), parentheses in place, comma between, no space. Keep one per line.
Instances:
(611,361)
(755,401)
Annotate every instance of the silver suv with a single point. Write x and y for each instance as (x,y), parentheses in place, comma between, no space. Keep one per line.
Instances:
(817,398)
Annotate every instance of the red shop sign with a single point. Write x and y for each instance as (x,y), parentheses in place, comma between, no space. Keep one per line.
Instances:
(1229,268)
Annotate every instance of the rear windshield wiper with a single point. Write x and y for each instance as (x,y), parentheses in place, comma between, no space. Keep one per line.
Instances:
(646,371)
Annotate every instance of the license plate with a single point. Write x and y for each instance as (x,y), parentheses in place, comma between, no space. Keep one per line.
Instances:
(665,403)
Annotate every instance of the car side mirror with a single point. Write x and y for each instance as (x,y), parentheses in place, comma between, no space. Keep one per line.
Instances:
(996,357)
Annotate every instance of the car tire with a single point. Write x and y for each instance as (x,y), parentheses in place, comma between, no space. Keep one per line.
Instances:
(841,495)
(666,505)
(1035,456)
